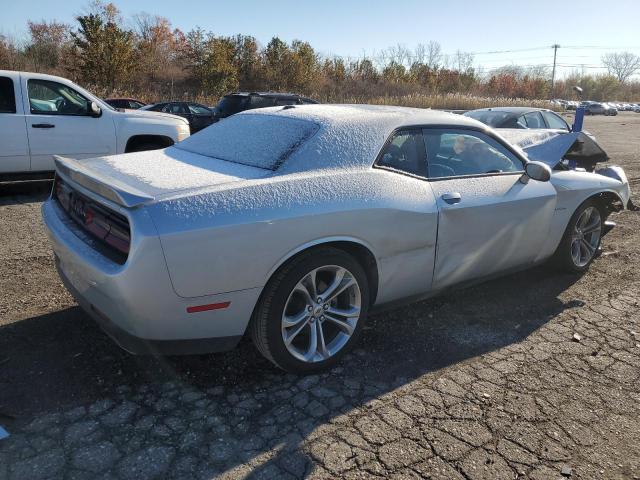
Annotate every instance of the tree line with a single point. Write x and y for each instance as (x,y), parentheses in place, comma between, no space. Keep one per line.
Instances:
(148,58)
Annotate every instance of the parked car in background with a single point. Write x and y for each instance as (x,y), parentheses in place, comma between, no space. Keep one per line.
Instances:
(240,101)
(125,103)
(519,117)
(612,109)
(269,223)
(42,116)
(197,115)
(594,108)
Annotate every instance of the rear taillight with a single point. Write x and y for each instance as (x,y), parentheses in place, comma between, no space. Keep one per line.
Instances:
(103,224)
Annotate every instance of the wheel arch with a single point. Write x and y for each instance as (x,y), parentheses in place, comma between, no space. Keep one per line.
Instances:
(355,247)
(134,140)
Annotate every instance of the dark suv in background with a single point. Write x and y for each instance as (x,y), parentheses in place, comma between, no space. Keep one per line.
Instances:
(240,101)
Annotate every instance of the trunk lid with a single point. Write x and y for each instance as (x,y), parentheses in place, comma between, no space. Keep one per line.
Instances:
(134,179)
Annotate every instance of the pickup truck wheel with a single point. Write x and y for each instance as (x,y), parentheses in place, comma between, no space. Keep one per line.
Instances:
(142,147)
(581,240)
(312,311)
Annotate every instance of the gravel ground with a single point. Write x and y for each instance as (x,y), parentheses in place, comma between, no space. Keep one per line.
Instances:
(489,382)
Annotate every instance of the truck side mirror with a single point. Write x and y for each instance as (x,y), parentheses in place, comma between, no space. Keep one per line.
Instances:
(94,110)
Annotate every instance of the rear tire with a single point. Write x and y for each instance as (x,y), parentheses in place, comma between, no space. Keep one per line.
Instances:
(581,240)
(300,333)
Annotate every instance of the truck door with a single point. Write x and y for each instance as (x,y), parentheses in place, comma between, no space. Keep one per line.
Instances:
(59,122)
(14,145)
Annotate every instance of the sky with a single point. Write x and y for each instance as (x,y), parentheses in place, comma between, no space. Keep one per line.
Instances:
(522,32)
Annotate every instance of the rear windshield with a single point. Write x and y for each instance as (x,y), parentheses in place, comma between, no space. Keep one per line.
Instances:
(262,141)
(493,119)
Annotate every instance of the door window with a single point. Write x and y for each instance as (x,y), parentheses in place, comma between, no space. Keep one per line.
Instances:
(555,121)
(453,153)
(198,109)
(405,152)
(176,108)
(7,96)
(53,98)
(534,120)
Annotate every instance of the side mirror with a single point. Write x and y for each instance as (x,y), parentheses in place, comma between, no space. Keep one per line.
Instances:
(538,171)
(94,110)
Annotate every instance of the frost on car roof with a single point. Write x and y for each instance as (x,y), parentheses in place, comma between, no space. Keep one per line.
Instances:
(350,136)
(262,141)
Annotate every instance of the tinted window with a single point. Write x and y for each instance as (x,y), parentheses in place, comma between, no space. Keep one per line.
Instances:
(493,118)
(176,108)
(156,108)
(198,109)
(7,96)
(405,152)
(47,97)
(522,122)
(534,120)
(554,121)
(465,152)
(261,102)
(286,101)
(135,105)
(233,104)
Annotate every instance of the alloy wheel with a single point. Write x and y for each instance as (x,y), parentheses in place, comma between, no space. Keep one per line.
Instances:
(321,313)
(585,237)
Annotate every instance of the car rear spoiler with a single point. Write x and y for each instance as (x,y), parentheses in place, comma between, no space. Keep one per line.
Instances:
(111,189)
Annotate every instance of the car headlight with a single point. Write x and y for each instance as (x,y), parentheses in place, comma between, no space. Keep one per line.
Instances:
(183,131)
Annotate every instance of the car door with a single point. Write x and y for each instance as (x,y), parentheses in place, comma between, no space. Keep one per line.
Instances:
(59,122)
(14,146)
(180,108)
(202,116)
(489,218)
(409,229)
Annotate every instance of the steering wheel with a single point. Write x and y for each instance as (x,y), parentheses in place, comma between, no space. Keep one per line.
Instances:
(437,170)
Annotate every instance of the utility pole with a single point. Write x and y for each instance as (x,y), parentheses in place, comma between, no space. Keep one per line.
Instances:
(555,47)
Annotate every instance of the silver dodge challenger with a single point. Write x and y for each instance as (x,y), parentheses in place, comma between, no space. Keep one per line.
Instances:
(291,223)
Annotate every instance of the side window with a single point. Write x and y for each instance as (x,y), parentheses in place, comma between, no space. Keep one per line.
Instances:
(53,98)
(554,121)
(521,123)
(176,109)
(534,120)
(198,109)
(135,105)
(405,152)
(261,102)
(452,153)
(286,101)
(7,96)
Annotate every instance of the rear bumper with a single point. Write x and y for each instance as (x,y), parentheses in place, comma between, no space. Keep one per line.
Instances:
(135,303)
(145,346)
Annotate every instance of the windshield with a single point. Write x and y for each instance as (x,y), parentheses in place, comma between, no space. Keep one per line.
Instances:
(493,118)
(262,141)
(232,104)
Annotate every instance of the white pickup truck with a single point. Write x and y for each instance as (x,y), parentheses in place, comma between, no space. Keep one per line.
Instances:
(42,115)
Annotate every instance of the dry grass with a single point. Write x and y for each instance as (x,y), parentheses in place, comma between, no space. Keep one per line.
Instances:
(451,101)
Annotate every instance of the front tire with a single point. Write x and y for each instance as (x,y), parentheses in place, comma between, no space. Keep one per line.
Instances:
(581,239)
(312,311)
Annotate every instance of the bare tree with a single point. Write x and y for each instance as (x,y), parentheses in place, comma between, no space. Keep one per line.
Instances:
(434,55)
(622,65)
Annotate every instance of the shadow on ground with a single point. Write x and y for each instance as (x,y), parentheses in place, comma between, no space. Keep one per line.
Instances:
(200,416)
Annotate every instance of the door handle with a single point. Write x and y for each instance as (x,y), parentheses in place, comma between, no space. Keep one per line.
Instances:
(452,198)
(42,125)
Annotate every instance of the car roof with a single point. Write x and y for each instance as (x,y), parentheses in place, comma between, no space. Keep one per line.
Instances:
(264,94)
(350,136)
(514,110)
